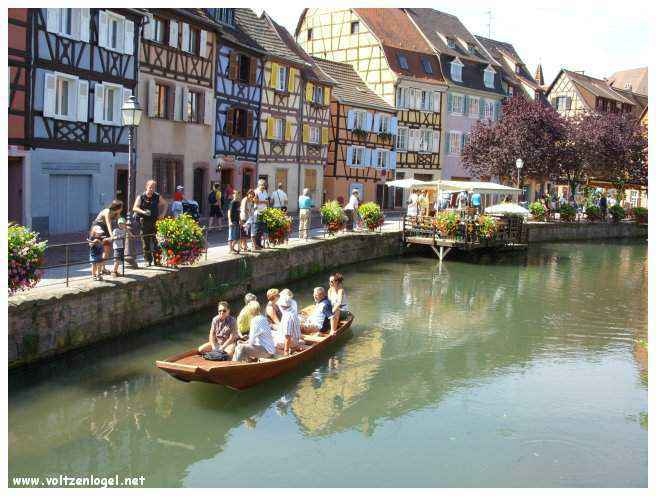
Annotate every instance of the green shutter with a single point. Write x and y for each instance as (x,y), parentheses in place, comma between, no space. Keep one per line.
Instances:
(450,102)
(465,105)
(448,142)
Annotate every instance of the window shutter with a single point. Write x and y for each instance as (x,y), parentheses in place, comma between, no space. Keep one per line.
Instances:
(127,93)
(465,105)
(173,33)
(288,130)
(366,157)
(102,29)
(98,99)
(52,20)
(177,95)
(450,102)
(271,122)
(185,99)
(392,160)
(436,142)
(306,133)
(349,156)
(208,100)
(203,44)
(149,28)
(252,75)
(325,135)
(447,146)
(497,113)
(376,128)
(249,124)
(49,93)
(394,122)
(230,118)
(152,98)
(233,66)
(128,47)
(85,24)
(350,120)
(373,158)
(569,103)
(185,37)
(309,91)
(82,101)
(462,142)
(273,81)
(291,79)
(368,121)
(76,23)
(326,96)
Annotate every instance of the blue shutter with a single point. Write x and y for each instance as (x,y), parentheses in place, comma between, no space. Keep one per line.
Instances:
(450,102)
(374,158)
(350,119)
(349,156)
(377,119)
(462,142)
(366,157)
(465,105)
(448,142)
(392,160)
(497,113)
(393,125)
(368,122)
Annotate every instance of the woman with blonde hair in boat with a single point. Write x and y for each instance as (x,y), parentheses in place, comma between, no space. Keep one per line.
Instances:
(260,341)
(337,297)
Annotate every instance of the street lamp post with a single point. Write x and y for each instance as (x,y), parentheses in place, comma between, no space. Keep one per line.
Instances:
(519,163)
(131,114)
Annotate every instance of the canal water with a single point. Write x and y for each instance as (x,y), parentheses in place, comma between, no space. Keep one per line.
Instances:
(518,371)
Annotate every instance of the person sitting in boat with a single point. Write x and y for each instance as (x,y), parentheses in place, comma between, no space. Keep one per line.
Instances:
(319,318)
(288,332)
(272,311)
(260,341)
(223,331)
(244,318)
(337,297)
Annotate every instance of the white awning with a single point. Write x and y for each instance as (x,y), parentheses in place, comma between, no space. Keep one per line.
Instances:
(444,185)
(507,208)
(406,183)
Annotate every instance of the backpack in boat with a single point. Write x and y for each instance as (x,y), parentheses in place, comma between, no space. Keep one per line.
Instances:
(216,356)
(191,209)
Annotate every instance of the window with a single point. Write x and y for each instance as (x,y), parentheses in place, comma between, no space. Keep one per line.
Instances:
(237,123)
(109,103)
(402,139)
(425,140)
(317,94)
(193,107)
(66,22)
(450,42)
(355,27)
(454,143)
(382,159)
(633,199)
(402,98)
(561,103)
(426,100)
(315,135)
(310,181)
(384,124)
(360,119)
(403,61)
(474,106)
(281,178)
(115,32)
(425,63)
(244,72)
(160,30)
(168,174)
(309,36)
(283,73)
(193,40)
(488,109)
(162,91)
(358,156)
(62,103)
(226,16)
(456,70)
(457,104)
(278,129)
(488,77)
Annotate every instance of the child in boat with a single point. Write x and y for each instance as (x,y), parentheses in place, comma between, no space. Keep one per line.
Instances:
(287,334)
(95,240)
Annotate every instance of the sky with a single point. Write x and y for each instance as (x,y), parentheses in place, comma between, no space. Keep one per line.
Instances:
(598,37)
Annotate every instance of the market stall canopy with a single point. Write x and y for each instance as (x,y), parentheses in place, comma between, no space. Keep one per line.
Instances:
(507,208)
(444,185)
(407,183)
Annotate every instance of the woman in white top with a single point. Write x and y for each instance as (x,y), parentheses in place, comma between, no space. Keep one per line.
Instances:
(413,204)
(260,340)
(338,300)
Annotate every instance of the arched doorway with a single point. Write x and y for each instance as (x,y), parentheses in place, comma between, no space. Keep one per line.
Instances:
(200,189)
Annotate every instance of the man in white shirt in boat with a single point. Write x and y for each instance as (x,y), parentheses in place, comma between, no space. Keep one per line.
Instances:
(319,318)
(260,340)
(223,332)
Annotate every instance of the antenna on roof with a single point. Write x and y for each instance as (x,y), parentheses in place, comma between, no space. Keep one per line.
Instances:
(489,23)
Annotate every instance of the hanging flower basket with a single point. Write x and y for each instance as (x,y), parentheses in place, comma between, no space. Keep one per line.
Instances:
(371,215)
(25,258)
(278,225)
(181,240)
(333,217)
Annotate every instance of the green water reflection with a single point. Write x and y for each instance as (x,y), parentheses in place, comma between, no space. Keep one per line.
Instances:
(518,372)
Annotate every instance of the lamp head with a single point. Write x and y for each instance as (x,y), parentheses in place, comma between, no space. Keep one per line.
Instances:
(131,112)
(519,163)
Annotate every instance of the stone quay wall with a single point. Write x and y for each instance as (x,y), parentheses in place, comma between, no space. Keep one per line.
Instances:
(49,322)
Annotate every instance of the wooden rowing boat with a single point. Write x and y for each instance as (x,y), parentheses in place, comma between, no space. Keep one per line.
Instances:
(191,366)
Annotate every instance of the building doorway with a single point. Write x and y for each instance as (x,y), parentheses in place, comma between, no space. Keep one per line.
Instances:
(200,182)
(246,181)
(227,177)
(398,192)
(70,203)
(122,187)
(15,184)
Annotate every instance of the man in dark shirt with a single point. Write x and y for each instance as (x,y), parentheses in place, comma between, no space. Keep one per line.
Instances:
(233,221)
(319,319)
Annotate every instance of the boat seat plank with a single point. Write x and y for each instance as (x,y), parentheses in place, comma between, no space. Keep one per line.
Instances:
(311,338)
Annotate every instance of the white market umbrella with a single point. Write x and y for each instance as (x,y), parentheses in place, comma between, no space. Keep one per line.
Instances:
(507,208)
(406,183)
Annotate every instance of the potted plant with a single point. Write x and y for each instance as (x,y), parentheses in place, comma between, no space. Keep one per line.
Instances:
(593,213)
(487,227)
(371,215)
(360,133)
(617,213)
(567,212)
(447,223)
(332,217)
(640,215)
(385,136)
(181,240)
(538,212)
(278,225)
(25,258)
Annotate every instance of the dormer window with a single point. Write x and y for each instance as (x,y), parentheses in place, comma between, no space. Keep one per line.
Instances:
(403,62)
(309,34)
(472,49)
(488,77)
(355,27)
(456,70)
(450,42)
(425,63)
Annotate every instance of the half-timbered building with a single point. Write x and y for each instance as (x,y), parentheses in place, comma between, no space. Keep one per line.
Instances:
(176,81)
(474,80)
(393,59)
(19,87)
(238,81)
(363,129)
(83,66)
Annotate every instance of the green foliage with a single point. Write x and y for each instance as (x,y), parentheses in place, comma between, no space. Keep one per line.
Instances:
(372,215)
(25,258)
(617,213)
(537,210)
(593,212)
(332,216)
(360,133)
(447,223)
(567,212)
(487,226)
(640,214)
(278,224)
(181,239)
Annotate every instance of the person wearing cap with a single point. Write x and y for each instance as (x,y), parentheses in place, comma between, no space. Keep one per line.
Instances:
(287,334)
(351,209)
(96,238)
(118,243)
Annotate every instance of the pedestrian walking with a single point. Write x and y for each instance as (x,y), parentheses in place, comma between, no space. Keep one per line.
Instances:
(214,200)
(233,222)
(149,207)
(261,203)
(351,209)
(279,198)
(305,205)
